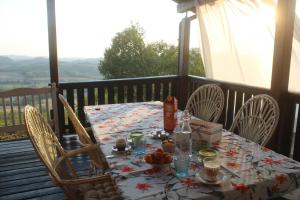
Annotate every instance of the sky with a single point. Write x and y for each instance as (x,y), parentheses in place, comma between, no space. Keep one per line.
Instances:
(85,27)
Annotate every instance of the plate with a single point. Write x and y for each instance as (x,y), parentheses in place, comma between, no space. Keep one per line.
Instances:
(202,178)
(127,149)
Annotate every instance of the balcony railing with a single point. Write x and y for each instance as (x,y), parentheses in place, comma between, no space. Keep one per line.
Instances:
(80,94)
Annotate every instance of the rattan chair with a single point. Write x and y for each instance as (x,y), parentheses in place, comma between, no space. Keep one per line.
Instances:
(206,102)
(83,135)
(59,165)
(257,119)
(98,159)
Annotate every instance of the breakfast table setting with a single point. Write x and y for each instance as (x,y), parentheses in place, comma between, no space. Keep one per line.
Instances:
(142,160)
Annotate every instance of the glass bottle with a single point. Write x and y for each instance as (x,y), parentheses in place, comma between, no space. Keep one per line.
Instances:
(183,146)
(187,131)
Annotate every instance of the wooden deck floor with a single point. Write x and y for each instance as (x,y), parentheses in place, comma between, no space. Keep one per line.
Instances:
(23,176)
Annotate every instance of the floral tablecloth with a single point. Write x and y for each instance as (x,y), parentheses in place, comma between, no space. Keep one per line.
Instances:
(250,171)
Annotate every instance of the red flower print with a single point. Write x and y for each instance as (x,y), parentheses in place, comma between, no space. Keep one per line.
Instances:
(274,188)
(105,139)
(126,126)
(240,187)
(232,164)
(143,186)
(187,182)
(216,145)
(127,169)
(281,178)
(265,149)
(195,166)
(231,153)
(270,161)
(102,126)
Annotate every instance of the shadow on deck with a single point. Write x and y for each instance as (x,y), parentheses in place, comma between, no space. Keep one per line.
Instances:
(23,175)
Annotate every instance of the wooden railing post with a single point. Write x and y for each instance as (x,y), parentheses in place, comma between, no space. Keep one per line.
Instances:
(183,61)
(281,140)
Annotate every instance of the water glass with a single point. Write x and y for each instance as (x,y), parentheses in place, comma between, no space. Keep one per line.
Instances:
(181,163)
(138,142)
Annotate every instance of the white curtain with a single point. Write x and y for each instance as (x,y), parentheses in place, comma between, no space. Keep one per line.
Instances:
(237,40)
(294,84)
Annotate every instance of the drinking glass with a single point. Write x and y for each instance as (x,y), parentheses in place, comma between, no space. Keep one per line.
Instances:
(138,142)
(181,163)
(211,168)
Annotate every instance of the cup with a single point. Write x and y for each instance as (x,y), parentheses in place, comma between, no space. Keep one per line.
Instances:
(211,168)
(181,163)
(138,142)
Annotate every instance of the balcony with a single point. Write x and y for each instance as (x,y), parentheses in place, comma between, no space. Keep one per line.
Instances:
(22,175)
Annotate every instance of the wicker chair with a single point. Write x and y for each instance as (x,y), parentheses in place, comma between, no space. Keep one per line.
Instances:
(83,135)
(206,102)
(257,119)
(98,159)
(59,165)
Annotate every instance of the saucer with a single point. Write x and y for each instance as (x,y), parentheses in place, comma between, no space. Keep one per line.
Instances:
(115,149)
(202,178)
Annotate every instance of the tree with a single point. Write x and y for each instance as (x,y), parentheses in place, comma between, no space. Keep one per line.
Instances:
(129,56)
(196,66)
(125,56)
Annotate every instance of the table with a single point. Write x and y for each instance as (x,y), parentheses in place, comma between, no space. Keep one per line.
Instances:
(251,171)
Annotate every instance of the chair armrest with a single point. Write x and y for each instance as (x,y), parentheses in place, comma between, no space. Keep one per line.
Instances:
(84,149)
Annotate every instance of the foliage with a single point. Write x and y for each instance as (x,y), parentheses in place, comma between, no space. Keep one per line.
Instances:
(129,56)
(195,63)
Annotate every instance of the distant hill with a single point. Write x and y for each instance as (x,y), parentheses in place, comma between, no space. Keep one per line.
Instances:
(22,71)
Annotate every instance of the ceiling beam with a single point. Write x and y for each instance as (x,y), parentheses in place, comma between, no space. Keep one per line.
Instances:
(190,5)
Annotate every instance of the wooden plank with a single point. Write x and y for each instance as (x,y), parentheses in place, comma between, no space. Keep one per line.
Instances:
(184,46)
(101,95)
(12,111)
(21,182)
(26,188)
(129,93)
(238,101)
(148,91)
(165,89)
(60,196)
(111,95)
(80,104)
(222,118)
(297,140)
(70,99)
(19,110)
(24,91)
(4,111)
(230,107)
(121,96)
(139,92)
(157,90)
(91,96)
(31,194)
(12,128)
(53,63)
(47,106)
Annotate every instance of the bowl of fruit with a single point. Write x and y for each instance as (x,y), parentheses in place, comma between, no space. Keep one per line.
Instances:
(159,159)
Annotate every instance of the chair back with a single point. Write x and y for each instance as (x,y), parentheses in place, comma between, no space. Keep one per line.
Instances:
(206,102)
(43,140)
(80,130)
(257,119)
